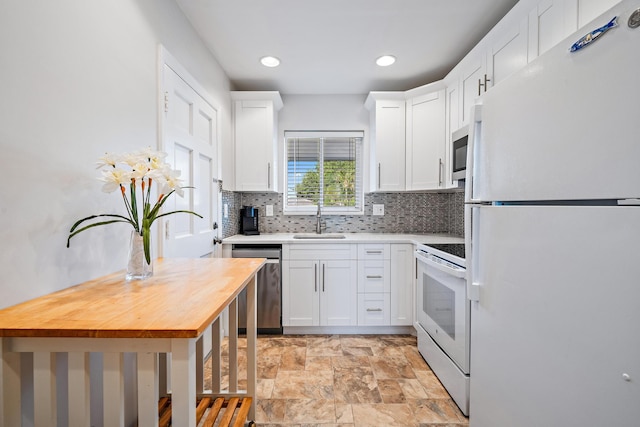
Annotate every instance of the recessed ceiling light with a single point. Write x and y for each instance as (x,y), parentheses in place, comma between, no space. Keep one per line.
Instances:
(270,61)
(385,60)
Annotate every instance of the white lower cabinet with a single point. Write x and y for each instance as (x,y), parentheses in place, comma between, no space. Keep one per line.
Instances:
(319,285)
(402,284)
(374,284)
(367,284)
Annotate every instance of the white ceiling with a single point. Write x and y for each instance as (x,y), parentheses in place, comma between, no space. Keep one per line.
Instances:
(330,46)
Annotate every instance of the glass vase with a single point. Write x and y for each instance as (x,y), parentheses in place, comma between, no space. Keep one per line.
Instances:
(137,267)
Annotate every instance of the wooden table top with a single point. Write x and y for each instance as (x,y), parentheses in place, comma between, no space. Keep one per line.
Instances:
(179,301)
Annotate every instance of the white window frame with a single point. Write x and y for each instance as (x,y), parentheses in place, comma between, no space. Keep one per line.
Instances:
(313,209)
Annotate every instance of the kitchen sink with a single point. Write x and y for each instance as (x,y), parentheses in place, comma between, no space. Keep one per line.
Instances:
(310,236)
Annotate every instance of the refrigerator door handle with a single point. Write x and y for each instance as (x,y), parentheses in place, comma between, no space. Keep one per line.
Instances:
(473,141)
(471,220)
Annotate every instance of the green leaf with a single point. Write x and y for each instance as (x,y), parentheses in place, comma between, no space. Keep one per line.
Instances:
(174,212)
(146,240)
(97,216)
(95,225)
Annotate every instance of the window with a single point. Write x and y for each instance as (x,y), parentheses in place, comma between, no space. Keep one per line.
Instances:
(324,168)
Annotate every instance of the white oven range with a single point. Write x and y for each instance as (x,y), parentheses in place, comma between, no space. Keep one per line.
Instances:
(443,317)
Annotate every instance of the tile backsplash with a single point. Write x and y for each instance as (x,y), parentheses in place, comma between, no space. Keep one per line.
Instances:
(403,213)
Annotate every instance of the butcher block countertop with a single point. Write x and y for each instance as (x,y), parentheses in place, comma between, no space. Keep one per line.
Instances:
(180,300)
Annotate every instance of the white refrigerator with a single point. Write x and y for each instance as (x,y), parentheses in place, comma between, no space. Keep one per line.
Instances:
(553,234)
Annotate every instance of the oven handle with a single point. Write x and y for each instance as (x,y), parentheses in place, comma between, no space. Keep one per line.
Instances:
(451,271)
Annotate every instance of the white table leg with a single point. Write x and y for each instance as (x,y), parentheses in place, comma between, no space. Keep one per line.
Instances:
(200,365)
(183,382)
(79,415)
(163,388)
(251,344)
(147,389)
(233,346)
(44,388)
(10,407)
(216,345)
(113,384)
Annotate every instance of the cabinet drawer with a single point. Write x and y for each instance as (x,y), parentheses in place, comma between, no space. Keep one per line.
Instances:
(373,251)
(320,252)
(374,276)
(373,309)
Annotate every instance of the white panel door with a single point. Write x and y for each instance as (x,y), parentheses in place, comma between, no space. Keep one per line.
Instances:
(338,293)
(547,27)
(255,162)
(300,293)
(452,125)
(508,54)
(426,142)
(473,83)
(589,10)
(190,128)
(402,280)
(389,146)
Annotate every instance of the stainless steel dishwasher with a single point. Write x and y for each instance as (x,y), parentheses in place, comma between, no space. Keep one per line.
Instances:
(269,288)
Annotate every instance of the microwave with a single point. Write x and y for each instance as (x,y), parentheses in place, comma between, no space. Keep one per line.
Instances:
(460,141)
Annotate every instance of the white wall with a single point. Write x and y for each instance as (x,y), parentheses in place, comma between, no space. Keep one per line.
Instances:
(322,112)
(79,78)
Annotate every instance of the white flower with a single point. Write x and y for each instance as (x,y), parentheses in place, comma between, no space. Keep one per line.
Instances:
(132,159)
(113,178)
(172,182)
(139,170)
(109,159)
(154,157)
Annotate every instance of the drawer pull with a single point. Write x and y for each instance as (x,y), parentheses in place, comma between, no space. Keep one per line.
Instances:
(374,309)
(374,277)
(374,252)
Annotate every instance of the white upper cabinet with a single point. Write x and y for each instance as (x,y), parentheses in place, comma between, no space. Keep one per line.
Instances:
(426,142)
(473,83)
(508,52)
(255,125)
(526,32)
(584,11)
(548,25)
(452,123)
(387,141)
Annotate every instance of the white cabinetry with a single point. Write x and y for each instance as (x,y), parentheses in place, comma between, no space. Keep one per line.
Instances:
(548,25)
(402,284)
(319,285)
(508,52)
(581,12)
(385,284)
(255,126)
(473,82)
(426,140)
(408,140)
(452,123)
(374,284)
(387,141)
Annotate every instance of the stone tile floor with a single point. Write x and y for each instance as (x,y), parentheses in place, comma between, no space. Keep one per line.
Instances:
(346,381)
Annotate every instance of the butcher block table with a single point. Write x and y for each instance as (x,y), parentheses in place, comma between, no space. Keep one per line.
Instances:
(159,318)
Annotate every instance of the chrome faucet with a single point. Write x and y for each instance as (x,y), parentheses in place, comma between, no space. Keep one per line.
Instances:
(319,221)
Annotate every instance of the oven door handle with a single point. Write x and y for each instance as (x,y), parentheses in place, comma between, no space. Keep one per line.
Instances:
(446,269)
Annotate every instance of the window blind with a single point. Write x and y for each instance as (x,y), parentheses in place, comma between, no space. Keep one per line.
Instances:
(324,168)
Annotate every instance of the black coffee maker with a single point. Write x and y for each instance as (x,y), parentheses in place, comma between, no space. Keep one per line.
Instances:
(249,221)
